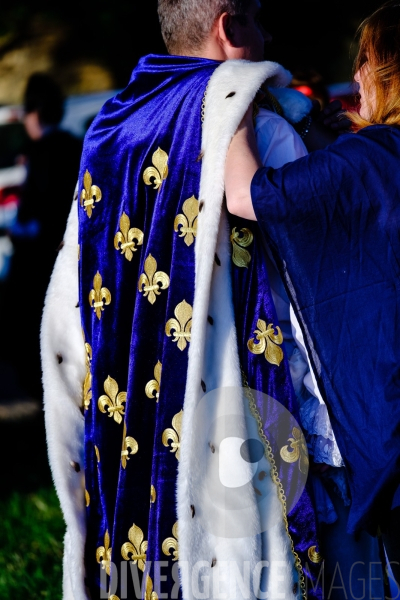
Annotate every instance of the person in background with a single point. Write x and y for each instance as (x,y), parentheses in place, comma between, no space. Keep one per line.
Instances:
(332,221)
(53,157)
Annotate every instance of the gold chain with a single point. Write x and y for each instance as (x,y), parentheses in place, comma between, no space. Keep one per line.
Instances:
(275,478)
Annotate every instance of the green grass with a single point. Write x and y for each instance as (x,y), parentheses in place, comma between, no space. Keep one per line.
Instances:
(31,523)
(31,551)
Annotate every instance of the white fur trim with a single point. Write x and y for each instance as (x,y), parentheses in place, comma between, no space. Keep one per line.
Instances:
(61,339)
(219,367)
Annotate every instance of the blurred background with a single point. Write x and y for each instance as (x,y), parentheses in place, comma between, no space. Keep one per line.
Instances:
(88,50)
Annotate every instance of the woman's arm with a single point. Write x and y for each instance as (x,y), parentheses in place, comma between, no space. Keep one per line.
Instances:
(242,162)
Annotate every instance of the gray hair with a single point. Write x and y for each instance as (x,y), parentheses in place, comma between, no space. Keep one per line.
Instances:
(186,24)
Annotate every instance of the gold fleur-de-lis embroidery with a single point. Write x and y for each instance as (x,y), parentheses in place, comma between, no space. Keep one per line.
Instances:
(87,384)
(103,554)
(128,443)
(152,388)
(152,281)
(171,543)
(299,450)
(268,341)
(150,595)
(99,296)
(240,256)
(153,494)
(97,451)
(136,548)
(313,555)
(173,435)
(182,325)
(87,498)
(188,220)
(90,194)
(159,171)
(112,402)
(124,239)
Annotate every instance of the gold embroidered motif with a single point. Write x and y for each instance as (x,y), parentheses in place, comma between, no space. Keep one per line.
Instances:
(128,443)
(99,295)
(87,498)
(171,543)
(174,434)
(313,555)
(159,171)
(182,325)
(153,494)
(113,597)
(298,452)
(240,256)
(103,554)
(188,220)
(150,595)
(90,194)
(124,239)
(152,281)
(97,453)
(154,385)
(136,548)
(87,384)
(268,341)
(112,402)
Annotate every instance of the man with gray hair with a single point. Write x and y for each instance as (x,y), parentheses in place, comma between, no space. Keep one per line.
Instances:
(136,412)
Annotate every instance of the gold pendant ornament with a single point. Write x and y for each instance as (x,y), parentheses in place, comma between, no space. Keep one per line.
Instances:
(159,171)
(124,239)
(135,550)
(173,435)
(152,388)
(103,554)
(188,221)
(112,402)
(90,194)
(87,498)
(128,443)
(298,451)
(99,296)
(240,256)
(181,325)
(171,543)
(268,342)
(153,494)
(152,281)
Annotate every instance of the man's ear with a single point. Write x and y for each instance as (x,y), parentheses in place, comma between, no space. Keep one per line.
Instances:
(225,26)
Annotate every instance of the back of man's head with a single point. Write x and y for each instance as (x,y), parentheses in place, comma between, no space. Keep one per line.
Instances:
(186,24)
(43,95)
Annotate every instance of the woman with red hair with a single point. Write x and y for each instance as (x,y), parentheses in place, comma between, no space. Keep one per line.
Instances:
(332,221)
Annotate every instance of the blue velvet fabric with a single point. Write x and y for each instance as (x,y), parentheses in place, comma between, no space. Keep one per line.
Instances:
(126,334)
(253,301)
(332,219)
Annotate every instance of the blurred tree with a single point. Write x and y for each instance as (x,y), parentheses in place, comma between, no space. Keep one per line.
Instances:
(117,33)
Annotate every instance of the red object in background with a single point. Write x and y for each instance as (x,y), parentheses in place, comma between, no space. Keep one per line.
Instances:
(304,89)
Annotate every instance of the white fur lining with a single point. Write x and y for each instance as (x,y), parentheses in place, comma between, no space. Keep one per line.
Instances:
(63,365)
(213,354)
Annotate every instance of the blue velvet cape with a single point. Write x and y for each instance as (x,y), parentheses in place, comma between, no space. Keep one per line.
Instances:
(332,219)
(138,204)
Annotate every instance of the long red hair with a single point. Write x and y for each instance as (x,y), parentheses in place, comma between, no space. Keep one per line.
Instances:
(379,46)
